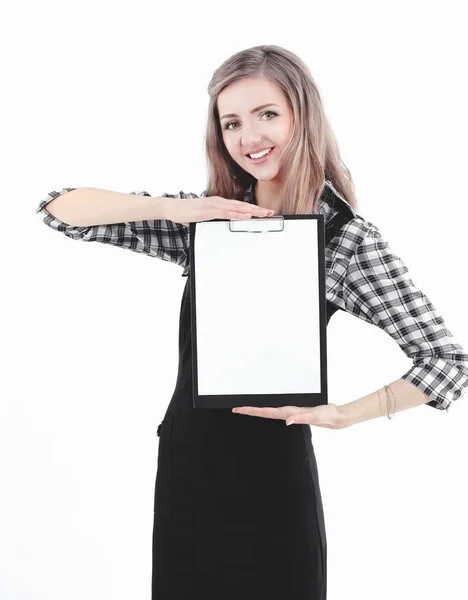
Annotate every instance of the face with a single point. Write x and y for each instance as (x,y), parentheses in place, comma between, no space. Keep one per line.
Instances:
(246,128)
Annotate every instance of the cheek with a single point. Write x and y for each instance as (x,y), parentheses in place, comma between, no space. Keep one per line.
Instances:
(231,147)
(225,139)
(285,132)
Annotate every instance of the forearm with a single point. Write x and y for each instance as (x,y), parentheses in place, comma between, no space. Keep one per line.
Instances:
(84,207)
(405,395)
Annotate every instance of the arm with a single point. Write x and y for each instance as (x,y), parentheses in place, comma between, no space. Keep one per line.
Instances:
(377,287)
(84,207)
(133,221)
(405,395)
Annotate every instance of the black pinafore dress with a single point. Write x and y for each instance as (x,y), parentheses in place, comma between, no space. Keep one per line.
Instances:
(237,508)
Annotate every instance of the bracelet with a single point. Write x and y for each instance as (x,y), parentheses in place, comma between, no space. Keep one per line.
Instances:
(387,390)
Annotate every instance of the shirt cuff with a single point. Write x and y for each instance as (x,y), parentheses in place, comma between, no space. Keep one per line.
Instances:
(440,380)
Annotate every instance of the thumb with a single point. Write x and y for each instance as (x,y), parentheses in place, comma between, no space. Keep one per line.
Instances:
(296,418)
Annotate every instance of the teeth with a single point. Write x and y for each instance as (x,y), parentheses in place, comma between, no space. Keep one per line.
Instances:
(260,154)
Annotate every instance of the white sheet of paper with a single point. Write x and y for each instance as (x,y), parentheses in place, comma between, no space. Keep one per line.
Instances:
(257,308)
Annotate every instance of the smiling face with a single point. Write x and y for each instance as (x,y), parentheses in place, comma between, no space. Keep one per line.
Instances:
(249,125)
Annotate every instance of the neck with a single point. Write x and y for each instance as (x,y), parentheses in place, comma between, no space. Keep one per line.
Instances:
(269,194)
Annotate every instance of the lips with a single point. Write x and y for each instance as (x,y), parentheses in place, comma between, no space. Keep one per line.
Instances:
(259,150)
(262,159)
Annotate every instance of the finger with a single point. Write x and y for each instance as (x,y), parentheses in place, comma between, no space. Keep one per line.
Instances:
(232,214)
(301,416)
(245,214)
(246,207)
(280,412)
(253,411)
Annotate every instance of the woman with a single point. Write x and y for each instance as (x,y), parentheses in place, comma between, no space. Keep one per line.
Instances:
(238,511)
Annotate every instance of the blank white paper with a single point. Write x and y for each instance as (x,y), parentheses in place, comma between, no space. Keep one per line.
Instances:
(257,308)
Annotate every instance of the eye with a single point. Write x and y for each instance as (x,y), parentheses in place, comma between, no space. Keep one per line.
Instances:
(272,112)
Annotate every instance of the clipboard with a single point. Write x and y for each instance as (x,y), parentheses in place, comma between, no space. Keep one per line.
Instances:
(258,311)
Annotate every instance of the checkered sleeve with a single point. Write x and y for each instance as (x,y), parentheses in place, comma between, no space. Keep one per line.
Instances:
(377,287)
(159,238)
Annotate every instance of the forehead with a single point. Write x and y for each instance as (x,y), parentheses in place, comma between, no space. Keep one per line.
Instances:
(247,93)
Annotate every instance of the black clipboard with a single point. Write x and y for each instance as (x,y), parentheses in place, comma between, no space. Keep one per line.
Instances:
(258,312)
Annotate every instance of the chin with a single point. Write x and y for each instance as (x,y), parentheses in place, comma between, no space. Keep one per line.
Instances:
(266,176)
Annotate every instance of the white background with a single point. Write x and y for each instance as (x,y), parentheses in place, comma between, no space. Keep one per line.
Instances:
(114,96)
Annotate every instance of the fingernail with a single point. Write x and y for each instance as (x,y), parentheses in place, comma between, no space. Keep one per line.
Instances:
(290,422)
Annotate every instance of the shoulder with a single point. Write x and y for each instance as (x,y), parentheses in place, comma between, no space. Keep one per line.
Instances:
(351,231)
(332,203)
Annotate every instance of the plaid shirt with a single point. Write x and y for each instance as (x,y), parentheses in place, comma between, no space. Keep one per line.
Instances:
(363,277)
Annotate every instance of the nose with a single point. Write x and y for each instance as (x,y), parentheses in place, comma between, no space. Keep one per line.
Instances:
(249,143)
(249,140)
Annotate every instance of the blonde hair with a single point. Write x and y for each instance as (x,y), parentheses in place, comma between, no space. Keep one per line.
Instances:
(310,158)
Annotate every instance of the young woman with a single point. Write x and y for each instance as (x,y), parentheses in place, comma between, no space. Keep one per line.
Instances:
(238,510)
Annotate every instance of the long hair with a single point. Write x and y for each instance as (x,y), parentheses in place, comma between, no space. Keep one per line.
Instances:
(310,158)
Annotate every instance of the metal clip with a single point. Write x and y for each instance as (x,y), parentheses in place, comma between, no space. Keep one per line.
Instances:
(277,219)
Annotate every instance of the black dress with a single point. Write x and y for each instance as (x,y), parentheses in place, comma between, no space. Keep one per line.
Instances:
(237,509)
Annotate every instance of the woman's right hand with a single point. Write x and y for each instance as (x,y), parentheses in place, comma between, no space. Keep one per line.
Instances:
(192,210)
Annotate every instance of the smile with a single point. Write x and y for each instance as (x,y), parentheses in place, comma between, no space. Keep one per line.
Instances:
(262,159)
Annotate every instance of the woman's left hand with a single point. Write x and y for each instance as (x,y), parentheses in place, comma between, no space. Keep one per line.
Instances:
(323,415)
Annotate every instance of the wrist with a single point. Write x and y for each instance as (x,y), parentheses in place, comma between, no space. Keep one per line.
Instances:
(363,409)
(347,414)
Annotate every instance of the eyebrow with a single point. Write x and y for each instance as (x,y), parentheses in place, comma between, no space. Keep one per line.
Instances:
(228,116)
